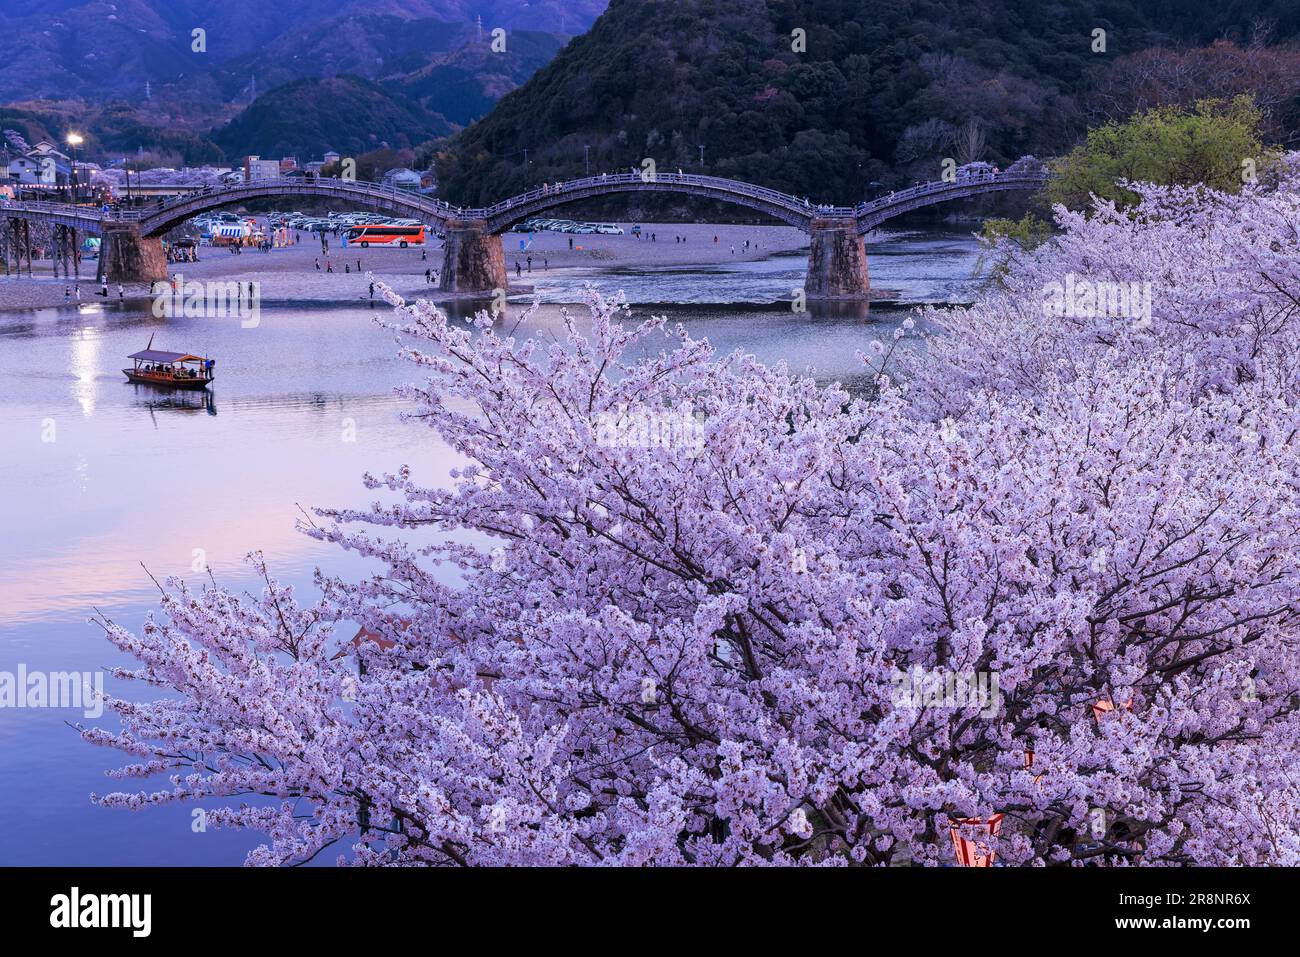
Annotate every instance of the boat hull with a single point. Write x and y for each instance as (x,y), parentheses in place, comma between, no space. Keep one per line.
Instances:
(165,382)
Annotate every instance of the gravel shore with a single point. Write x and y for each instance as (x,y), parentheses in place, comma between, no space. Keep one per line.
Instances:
(291,274)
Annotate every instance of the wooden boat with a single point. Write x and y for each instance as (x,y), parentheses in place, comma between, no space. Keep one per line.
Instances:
(170,370)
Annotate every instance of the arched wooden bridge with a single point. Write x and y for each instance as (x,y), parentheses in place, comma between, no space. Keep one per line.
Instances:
(473,258)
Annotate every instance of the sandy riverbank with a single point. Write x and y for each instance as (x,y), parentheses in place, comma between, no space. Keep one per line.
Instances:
(291,274)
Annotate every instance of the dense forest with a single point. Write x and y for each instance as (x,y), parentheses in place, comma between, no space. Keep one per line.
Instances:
(347,114)
(825,97)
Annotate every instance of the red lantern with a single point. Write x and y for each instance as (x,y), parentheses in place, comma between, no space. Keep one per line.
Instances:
(973,839)
(1029,764)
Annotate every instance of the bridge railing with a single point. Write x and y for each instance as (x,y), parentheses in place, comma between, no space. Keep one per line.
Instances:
(944,186)
(325,184)
(444,210)
(729,186)
(46,206)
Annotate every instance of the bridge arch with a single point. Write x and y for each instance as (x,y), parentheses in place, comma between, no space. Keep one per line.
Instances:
(782,206)
(156,221)
(871,215)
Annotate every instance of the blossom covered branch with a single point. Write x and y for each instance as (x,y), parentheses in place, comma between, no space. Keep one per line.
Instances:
(718,640)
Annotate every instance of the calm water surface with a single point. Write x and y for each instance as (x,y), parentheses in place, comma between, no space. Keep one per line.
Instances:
(102,479)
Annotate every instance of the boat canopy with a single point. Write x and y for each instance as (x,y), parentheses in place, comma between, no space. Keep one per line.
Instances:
(154,355)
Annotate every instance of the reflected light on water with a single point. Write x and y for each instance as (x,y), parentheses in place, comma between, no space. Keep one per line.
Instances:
(86,347)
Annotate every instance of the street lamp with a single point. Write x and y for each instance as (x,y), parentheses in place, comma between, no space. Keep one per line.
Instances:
(75,140)
(587,158)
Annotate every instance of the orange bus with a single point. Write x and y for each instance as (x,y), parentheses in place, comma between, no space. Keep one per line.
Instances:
(380,235)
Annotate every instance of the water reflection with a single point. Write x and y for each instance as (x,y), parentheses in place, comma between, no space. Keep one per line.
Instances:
(85,366)
(840,311)
(175,400)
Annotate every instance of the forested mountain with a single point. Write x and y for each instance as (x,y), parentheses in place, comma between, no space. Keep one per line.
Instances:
(345,113)
(822,97)
(136,75)
(99,50)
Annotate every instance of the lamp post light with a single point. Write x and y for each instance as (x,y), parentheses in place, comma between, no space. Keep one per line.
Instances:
(75,140)
(587,158)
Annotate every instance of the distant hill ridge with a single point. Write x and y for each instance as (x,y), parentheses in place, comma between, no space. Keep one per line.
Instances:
(126,71)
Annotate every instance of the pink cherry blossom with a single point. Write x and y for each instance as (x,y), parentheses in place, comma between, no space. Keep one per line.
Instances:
(687,652)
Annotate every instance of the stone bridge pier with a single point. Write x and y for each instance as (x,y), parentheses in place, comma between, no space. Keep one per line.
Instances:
(473,259)
(126,256)
(837,261)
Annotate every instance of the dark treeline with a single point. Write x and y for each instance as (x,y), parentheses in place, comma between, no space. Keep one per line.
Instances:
(880,91)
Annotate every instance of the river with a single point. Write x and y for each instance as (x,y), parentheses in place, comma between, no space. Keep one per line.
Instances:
(102,480)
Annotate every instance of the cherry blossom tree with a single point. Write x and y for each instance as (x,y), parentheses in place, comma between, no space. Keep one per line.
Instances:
(715,613)
(1218,271)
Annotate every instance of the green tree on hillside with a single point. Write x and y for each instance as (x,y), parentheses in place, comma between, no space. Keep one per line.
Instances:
(1216,142)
